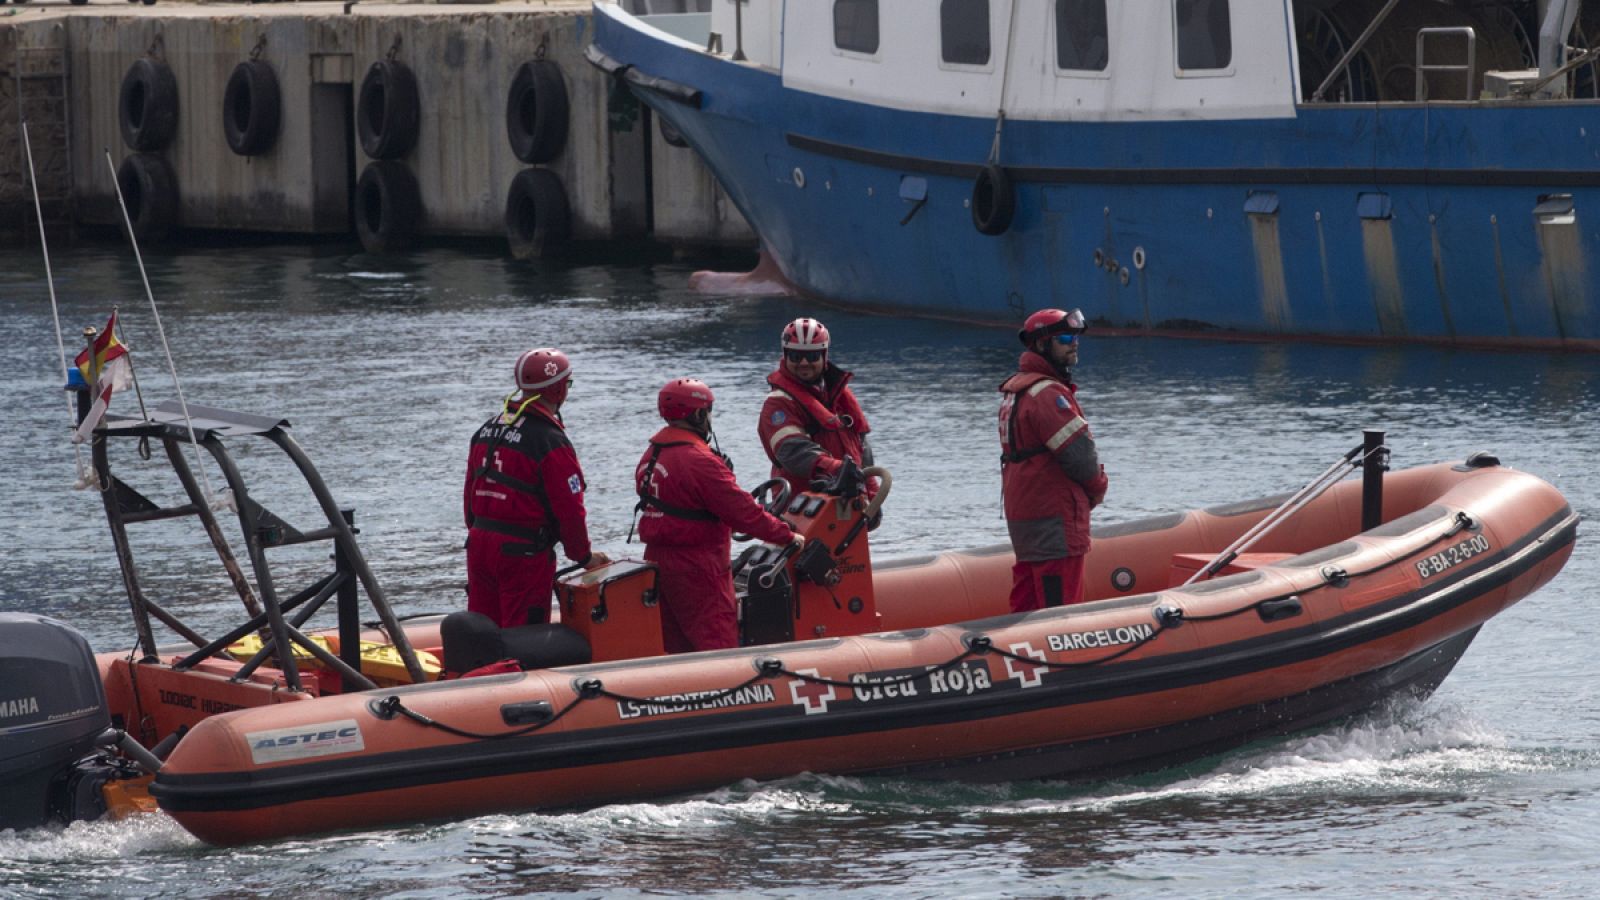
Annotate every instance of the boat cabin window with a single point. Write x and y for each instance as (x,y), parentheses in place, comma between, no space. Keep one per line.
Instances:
(964,32)
(855,25)
(1205,34)
(1081,42)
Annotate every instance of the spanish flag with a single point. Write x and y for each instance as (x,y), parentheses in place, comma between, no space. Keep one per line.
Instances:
(106,368)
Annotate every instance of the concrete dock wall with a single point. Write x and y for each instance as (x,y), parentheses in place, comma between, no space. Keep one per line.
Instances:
(620,178)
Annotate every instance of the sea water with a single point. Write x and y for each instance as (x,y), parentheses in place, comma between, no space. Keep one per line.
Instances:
(384,369)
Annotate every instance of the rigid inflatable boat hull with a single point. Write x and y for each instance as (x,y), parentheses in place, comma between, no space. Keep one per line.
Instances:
(1127,682)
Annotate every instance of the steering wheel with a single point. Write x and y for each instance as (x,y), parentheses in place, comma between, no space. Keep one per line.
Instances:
(779,489)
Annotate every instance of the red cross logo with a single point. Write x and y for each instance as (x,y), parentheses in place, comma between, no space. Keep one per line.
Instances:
(1026,674)
(814,697)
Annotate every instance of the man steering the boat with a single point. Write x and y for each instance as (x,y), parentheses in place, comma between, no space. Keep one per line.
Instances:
(523,494)
(689,504)
(811,422)
(1050,473)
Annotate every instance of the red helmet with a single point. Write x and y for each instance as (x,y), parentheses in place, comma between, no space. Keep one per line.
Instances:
(805,334)
(682,396)
(1047,322)
(542,368)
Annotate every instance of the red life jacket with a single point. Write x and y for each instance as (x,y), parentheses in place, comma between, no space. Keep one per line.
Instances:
(797,410)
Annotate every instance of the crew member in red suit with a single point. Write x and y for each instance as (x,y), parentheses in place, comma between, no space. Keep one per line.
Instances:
(689,504)
(524,493)
(1049,472)
(811,421)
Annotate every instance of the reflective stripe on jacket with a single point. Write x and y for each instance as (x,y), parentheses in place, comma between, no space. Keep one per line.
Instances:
(1050,474)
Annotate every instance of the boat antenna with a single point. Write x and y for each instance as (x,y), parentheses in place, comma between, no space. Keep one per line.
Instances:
(55,310)
(205,480)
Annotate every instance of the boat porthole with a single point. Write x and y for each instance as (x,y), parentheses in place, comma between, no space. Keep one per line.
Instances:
(1138,258)
(1099,257)
(799,177)
(1123,276)
(1122,579)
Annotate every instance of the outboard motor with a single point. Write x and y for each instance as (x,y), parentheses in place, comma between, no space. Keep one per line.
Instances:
(53,725)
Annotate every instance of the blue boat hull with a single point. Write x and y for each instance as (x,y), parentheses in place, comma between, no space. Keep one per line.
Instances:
(1452,223)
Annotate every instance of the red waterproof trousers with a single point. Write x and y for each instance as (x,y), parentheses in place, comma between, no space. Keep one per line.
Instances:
(698,609)
(511,590)
(1048,582)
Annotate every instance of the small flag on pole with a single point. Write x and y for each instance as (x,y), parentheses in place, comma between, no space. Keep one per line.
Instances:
(106,368)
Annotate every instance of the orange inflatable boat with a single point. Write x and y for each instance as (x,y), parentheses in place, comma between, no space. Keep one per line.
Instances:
(1191,641)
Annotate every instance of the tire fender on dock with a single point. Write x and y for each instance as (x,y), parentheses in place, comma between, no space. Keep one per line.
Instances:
(994,200)
(537,112)
(150,191)
(387,206)
(250,108)
(147,105)
(538,218)
(387,110)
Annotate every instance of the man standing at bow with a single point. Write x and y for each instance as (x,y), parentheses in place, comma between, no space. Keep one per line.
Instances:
(1050,473)
(524,492)
(811,422)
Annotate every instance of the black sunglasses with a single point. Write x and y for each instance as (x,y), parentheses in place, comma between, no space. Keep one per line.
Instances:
(795,356)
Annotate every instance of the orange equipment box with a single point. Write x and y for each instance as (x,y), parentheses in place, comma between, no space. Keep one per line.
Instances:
(614,607)
(1184,565)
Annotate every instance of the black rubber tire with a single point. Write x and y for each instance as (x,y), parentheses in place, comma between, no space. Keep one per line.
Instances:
(388,111)
(147,106)
(538,218)
(387,205)
(150,191)
(537,112)
(250,108)
(994,201)
(670,132)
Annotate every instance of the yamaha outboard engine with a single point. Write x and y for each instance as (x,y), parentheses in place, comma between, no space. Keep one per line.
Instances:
(52,715)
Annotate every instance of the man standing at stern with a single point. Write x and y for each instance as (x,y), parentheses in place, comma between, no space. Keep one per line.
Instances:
(811,421)
(524,492)
(688,499)
(1049,472)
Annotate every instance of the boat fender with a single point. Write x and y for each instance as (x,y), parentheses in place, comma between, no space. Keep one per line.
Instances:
(387,110)
(537,112)
(250,107)
(1279,608)
(538,218)
(147,105)
(994,200)
(387,205)
(150,192)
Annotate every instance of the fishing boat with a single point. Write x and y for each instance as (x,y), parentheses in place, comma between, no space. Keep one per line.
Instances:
(1203,629)
(1359,170)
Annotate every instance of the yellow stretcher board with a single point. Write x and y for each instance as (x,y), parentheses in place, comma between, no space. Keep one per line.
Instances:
(380,662)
